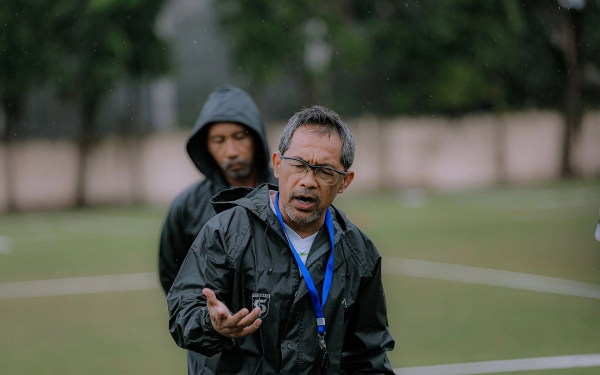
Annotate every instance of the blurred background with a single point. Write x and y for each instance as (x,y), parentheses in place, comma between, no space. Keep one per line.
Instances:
(478,145)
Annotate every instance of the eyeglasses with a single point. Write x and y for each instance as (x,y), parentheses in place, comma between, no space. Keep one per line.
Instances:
(297,167)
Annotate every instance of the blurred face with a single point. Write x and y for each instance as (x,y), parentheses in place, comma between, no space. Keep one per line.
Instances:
(304,198)
(232,147)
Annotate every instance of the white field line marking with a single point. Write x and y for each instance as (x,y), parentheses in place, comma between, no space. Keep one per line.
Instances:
(399,266)
(79,216)
(487,276)
(79,285)
(127,219)
(511,365)
(84,233)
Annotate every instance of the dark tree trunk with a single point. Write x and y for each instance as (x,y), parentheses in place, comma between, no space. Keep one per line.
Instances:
(13,111)
(567,25)
(84,142)
(133,134)
(573,82)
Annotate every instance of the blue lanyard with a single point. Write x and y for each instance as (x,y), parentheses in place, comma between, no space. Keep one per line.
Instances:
(312,290)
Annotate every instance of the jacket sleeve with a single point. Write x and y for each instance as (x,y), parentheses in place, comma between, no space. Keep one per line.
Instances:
(174,245)
(206,266)
(368,337)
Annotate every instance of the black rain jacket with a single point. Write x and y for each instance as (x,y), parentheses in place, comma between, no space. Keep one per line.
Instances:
(192,209)
(242,254)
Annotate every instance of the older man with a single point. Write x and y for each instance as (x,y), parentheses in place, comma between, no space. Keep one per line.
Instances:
(280,281)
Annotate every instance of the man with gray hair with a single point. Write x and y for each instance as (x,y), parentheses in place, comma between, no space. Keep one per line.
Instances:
(280,281)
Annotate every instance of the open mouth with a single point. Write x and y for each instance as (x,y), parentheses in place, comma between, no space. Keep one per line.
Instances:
(304,201)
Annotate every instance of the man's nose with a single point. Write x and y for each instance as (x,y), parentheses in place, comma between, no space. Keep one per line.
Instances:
(231,148)
(309,179)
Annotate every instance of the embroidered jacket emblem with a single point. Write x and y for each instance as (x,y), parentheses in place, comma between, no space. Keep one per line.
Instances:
(261,300)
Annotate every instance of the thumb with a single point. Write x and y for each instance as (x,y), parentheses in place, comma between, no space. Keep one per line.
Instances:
(211,298)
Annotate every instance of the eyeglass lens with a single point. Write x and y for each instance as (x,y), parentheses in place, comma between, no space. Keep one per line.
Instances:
(298,168)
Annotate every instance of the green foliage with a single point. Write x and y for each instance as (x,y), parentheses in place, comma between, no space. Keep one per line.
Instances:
(23,52)
(101,41)
(79,47)
(265,35)
(415,56)
(454,56)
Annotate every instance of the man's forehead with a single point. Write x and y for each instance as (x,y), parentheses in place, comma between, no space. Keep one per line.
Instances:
(324,133)
(314,144)
(225,127)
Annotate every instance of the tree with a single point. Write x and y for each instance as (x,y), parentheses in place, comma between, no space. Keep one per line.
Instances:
(427,56)
(569,29)
(470,55)
(298,39)
(102,41)
(24,60)
(403,57)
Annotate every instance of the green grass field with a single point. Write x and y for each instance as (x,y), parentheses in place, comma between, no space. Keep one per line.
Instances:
(545,230)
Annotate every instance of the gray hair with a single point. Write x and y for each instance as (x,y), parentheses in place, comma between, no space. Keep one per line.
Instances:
(329,121)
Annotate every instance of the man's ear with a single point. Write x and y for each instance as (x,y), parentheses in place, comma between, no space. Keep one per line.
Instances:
(276,161)
(348,177)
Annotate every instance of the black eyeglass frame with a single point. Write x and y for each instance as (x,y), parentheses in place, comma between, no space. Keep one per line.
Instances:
(314,167)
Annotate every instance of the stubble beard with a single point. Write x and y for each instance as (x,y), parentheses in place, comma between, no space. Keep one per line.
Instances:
(239,174)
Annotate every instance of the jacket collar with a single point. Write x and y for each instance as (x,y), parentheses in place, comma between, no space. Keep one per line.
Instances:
(257,202)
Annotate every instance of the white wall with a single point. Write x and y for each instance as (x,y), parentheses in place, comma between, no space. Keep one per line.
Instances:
(429,152)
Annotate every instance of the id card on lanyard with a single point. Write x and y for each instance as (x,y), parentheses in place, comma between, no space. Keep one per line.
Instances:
(312,290)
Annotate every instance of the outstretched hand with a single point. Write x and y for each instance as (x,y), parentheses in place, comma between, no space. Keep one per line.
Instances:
(240,324)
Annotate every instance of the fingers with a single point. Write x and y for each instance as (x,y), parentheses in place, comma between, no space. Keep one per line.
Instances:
(241,324)
(241,318)
(251,328)
(246,319)
(245,323)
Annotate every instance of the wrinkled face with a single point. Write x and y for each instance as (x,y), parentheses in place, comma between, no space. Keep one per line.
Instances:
(304,197)
(232,147)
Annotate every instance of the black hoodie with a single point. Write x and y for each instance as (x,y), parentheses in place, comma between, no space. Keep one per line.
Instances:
(192,209)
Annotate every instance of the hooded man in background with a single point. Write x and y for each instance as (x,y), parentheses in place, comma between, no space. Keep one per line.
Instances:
(229,147)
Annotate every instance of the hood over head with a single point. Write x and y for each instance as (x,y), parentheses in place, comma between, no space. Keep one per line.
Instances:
(228,104)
